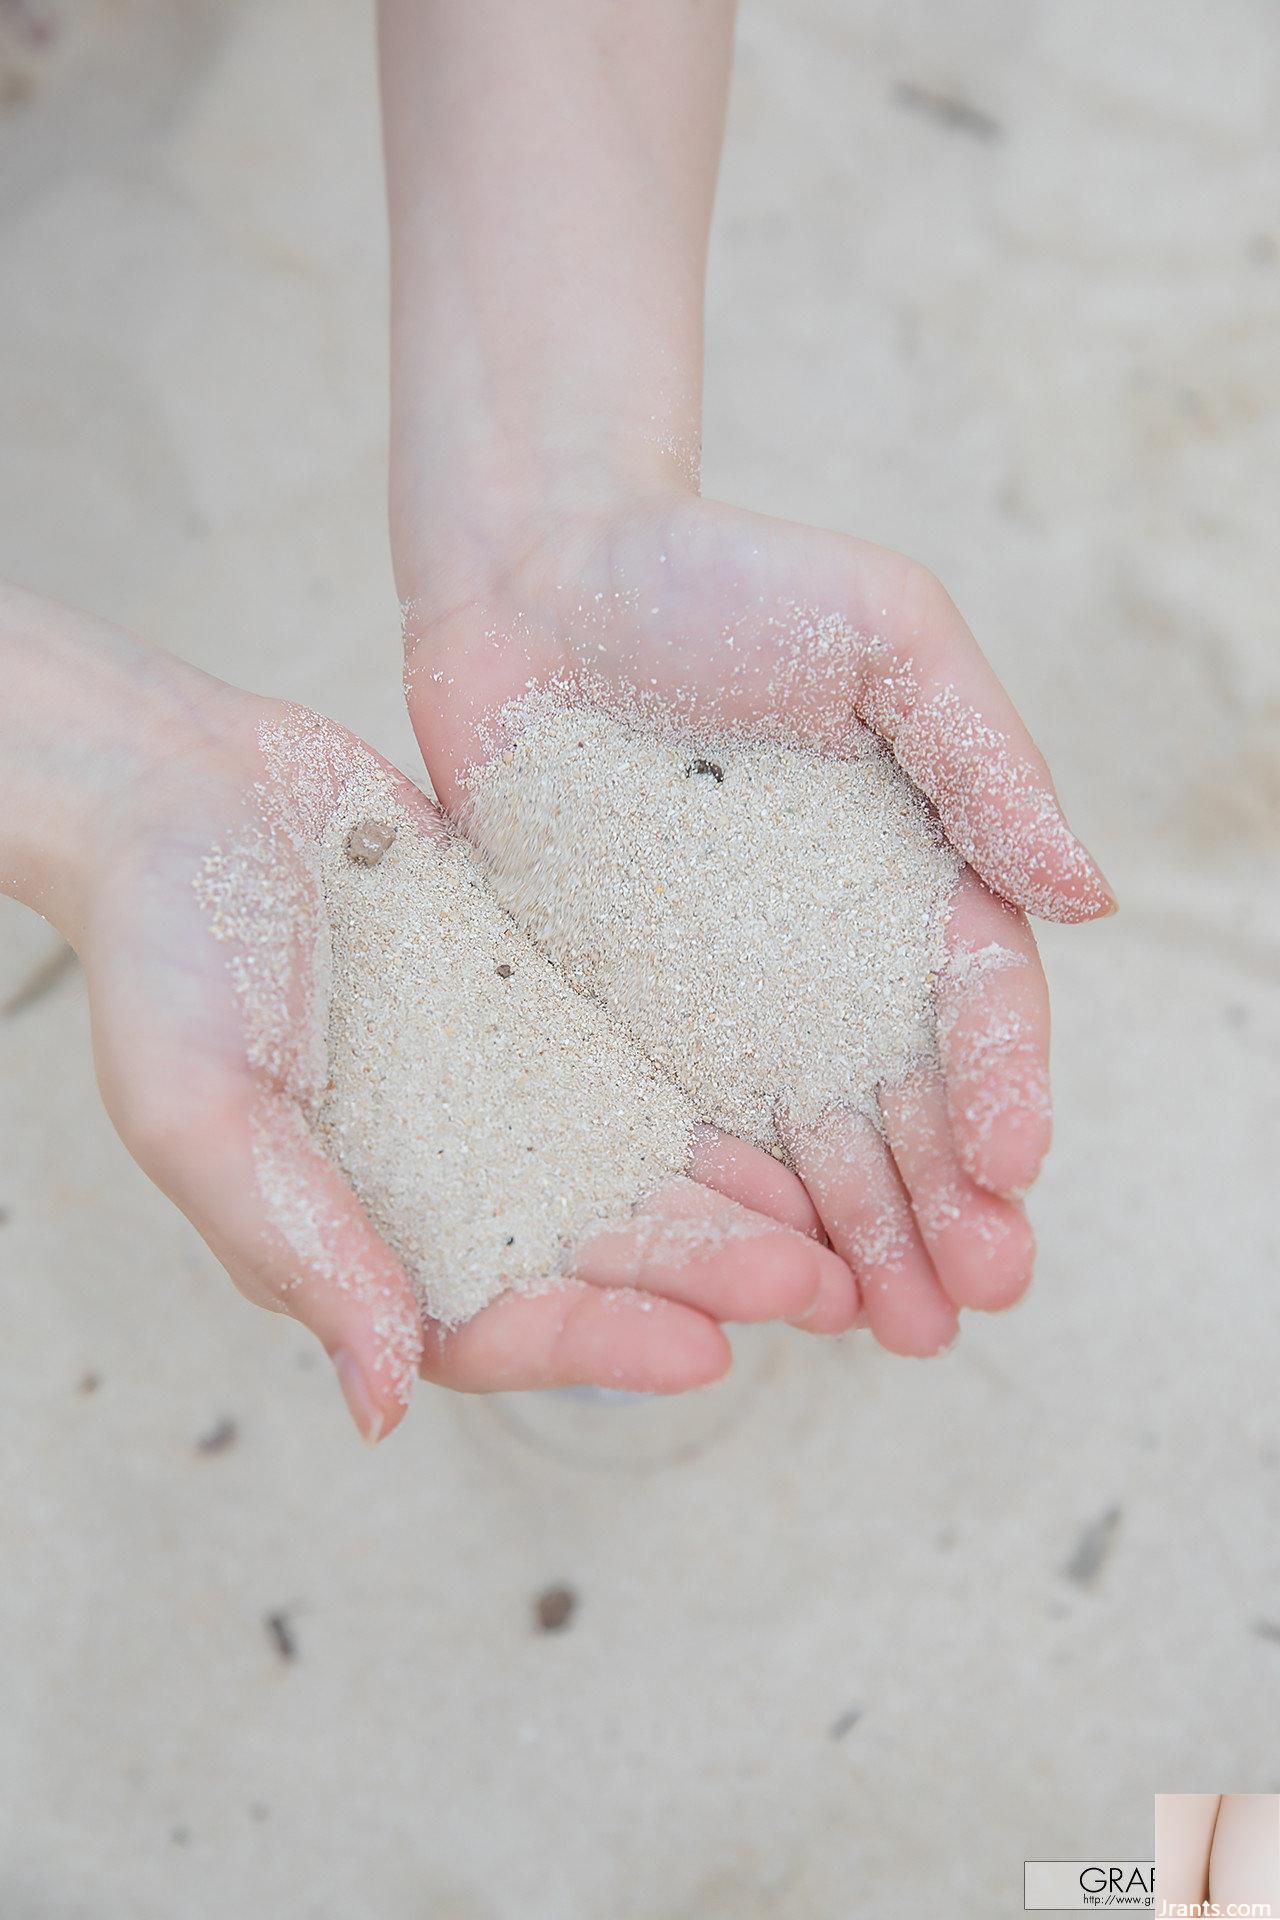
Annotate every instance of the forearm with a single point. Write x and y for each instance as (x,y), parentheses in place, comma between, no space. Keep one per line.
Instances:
(550,172)
(85,712)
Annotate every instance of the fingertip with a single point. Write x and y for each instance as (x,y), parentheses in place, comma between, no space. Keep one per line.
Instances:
(1087,893)
(916,1323)
(918,1342)
(1006,1161)
(1073,906)
(777,1277)
(990,1257)
(637,1342)
(993,1037)
(376,1408)
(1038,864)
(836,1305)
(671,1349)
(376,1357)
(706,1360)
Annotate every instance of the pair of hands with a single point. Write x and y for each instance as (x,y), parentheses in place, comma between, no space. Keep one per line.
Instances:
(690,602)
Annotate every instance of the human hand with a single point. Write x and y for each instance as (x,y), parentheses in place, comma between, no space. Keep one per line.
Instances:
(550,181)
(210,1102)
(727,618)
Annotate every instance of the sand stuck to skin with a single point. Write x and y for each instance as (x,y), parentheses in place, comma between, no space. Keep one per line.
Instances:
(765,923)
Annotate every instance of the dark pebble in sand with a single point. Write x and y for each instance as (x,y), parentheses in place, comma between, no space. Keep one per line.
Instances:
(280,1633)
(554,1608)
(218,1438)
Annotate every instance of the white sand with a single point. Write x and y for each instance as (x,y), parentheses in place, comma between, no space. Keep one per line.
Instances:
(753,932)
(766,923)
(487,1116)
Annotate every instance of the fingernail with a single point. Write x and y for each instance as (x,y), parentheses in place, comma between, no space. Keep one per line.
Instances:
(833,1297)
(821,1300)
(362,1406)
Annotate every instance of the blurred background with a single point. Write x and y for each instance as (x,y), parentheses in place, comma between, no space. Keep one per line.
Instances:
(998,285)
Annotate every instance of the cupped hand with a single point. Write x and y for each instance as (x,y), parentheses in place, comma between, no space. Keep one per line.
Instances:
(725,617)
(211,1100)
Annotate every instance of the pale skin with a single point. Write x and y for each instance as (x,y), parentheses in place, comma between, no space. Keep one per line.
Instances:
(551,173)
(550,181)
(1217,1852)
(1184,1838)
(122,768)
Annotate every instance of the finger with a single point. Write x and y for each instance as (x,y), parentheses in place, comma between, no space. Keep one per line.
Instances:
(837,1305)
(293,1237)
(459,671)
(925,686)
(694,1246)
(993,1037)
(981,1245)
(871,625)
(578,1335)
(849,1172)
(753,1178)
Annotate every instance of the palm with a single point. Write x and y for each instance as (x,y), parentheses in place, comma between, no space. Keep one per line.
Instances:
(209,1099)
(728,616)
(198,1114)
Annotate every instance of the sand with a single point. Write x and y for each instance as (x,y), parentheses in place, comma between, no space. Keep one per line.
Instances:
(487,1116)
(506,1045)
(765,922)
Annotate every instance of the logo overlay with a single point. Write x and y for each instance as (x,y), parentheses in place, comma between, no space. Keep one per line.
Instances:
(1081,1886)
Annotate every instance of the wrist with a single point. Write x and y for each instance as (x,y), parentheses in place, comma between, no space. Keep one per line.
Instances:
(512,518)
(550,176)
(89,715)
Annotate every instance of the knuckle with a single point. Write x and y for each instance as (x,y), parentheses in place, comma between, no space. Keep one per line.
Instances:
(925,602)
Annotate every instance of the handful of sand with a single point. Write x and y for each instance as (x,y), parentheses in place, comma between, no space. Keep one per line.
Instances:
(766,923)
(505,1049)
(487,1115)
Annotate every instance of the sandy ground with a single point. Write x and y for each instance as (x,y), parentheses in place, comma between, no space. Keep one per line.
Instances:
(995,284)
